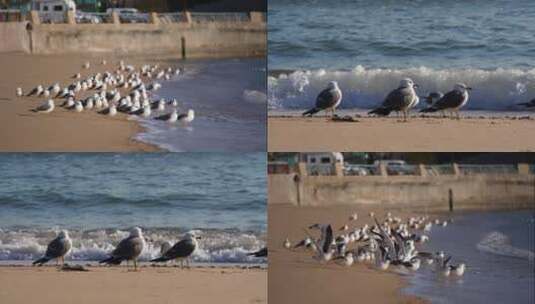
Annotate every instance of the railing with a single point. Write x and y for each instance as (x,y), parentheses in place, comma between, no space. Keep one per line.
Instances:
(487,169)
(361,170)
(93,18)
(172,17)
(434,170)
(10,15)
(220,17)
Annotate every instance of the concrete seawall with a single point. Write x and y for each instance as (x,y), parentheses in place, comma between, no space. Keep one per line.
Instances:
(469,192)
(211,39)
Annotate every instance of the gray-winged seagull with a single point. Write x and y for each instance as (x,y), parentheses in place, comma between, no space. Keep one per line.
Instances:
(452,101)
(46,107)
(400,99)
(57,249)
(181,250)
(128,249)
(328,99)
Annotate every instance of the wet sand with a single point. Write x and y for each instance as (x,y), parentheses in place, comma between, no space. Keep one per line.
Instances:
(47,285)
(420,134)
(61,130)
(294,277)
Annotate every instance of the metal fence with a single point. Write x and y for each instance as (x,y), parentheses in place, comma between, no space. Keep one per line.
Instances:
(172,17)
(220,17)
(361,170)
(487,169)
(434,170)
(11,16)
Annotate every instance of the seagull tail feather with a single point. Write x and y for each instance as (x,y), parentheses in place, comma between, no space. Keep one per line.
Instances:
(311,111)
(160,259)
(41,261)
(111,260)
(381,111)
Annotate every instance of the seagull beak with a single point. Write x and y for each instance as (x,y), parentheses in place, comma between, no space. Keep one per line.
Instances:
(469,88)
(198,237)
(415,85)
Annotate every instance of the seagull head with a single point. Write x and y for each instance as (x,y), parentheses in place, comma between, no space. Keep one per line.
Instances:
(63,234)
(462,87)
(407,83)
(192,236)
(191,114)
(332,85)
(136,232)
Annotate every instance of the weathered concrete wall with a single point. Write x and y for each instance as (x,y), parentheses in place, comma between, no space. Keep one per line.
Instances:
(432,192)
(13,37)
(221,39)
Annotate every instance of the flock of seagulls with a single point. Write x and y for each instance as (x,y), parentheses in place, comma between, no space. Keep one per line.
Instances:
(401,100)
(102,92)
(390,243)
(129,249)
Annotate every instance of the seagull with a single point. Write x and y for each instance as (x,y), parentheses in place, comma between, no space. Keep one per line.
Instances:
(181,250)
(110,111)
(57,249)
(186,118)
(328,99)
(263,252)
(87,65)
(46,107)
(128,249)
(165,247)
(287,244)
(36,91)
(452,101)
(399,99)
(19,92)
(529,104)
(324,252)
(432,97)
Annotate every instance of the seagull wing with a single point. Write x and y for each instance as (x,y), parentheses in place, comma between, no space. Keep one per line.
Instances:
(452,99)
(327,98)
(129,248)
(57,248)
(182,249)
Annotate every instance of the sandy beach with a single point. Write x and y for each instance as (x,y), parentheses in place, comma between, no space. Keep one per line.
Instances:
(61,130)
(474,134)
(24,284)
(294,277)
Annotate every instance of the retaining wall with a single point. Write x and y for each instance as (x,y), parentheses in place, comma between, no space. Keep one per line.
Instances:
(469,192)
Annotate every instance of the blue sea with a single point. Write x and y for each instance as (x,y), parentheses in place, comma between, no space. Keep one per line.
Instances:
(368,46)
(498,249)
(99,197)
(229,100)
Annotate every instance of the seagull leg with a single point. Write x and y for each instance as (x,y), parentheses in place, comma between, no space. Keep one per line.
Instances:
(135,264)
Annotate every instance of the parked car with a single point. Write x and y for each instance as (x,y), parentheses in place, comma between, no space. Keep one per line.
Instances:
(129,15)
(82,17)
(396,167)
(53,11)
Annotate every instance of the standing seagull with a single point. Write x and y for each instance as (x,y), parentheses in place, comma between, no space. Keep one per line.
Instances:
(400,99)
(47,107)
(181,250)
(57,249)
(328,99)
(128,249)
(452,101)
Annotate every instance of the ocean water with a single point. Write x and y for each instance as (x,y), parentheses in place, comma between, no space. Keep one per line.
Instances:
(368,46)
(98,197)
(229,100)
(498,249)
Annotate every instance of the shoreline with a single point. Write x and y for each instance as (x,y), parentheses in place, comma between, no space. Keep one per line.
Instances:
(419,134)
(149,285)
